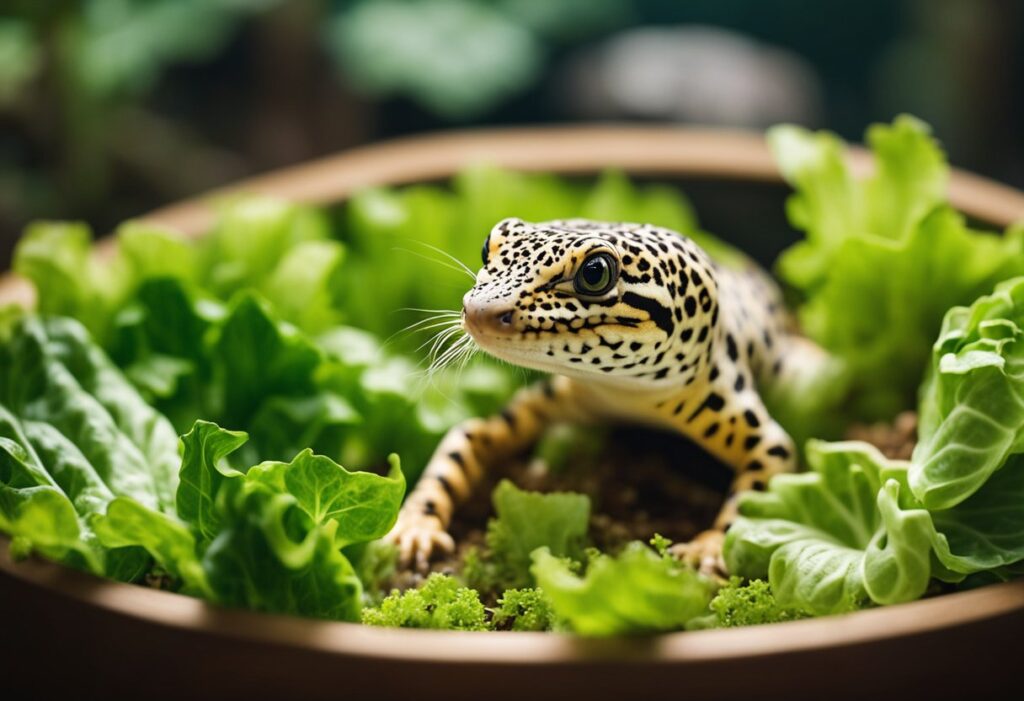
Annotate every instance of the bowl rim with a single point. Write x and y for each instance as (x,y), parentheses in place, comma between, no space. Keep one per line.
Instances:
(638,150)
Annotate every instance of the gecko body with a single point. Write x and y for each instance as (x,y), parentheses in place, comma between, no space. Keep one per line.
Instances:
(636,324)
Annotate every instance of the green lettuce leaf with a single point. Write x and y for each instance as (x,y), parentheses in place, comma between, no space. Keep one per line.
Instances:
(128,523)
(638,591)
(363,504)
(831,205)
(884,256)
(836,538)
(203,471)
(526,521)
(972,404)
(269,556)
(69,277)
(256,357)
(37,385)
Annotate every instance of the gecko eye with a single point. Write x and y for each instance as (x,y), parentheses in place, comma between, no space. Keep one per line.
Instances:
(486,249)
(597,275)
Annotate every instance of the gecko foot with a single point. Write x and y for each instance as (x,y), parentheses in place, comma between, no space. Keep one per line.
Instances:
(703,552)
(418,537)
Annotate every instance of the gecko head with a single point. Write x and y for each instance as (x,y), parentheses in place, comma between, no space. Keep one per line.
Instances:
(629,305)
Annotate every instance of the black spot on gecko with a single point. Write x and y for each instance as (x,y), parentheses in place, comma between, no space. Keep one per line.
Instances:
(713,401)
(751,418)
(778,451)
(660,314)
(751,442)
(509,418)
(446,486)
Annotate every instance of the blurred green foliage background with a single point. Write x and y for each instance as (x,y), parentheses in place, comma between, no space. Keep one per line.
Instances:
(111,107)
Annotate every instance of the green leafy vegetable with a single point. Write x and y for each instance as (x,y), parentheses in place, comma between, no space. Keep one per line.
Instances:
(833,539)
(270,556)
(884,257)
(526,521)
(862,528)
(972,406)
(637,591)
(203,471)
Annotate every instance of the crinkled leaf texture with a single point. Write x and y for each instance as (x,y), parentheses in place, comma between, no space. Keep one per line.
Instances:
(526,521)
(272,537)
(884,257)
(75,436)
(850,533)
(637,591)
(972,404)
(86,478)
(836,538)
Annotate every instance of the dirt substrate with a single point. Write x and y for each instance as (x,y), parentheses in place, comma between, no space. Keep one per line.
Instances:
(640,482)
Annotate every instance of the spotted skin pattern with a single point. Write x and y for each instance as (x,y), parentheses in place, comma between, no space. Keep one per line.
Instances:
(676,342)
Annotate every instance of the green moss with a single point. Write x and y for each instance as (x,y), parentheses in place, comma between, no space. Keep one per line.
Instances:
(751,604)
(523,610)
(441,603)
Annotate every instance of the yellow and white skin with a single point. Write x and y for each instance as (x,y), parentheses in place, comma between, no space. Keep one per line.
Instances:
(636,324)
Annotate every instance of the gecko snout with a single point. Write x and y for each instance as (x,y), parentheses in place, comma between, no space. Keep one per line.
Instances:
(487,317)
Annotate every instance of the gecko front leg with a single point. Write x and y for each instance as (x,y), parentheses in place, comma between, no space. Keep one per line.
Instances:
(730,421)
(462,457)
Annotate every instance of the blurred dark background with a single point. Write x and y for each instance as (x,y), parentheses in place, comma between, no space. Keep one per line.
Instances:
(109,108)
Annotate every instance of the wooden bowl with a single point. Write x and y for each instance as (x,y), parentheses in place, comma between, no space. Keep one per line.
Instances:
(65,632)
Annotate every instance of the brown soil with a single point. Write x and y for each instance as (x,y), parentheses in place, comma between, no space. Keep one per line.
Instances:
(640,482)
(896,439)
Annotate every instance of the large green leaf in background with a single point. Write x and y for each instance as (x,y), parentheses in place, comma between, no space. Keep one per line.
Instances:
(884,257)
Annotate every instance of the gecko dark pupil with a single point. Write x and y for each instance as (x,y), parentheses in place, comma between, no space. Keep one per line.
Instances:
(596,275)
(484,251)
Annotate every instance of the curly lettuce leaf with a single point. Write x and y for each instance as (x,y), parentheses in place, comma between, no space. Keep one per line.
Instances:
(363,504)
(851,533)
(637,591)
(836,538)
(270,556)
(831,205)
(525,521)
(884,256)
(972,404)
(268,538)
(204,470)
